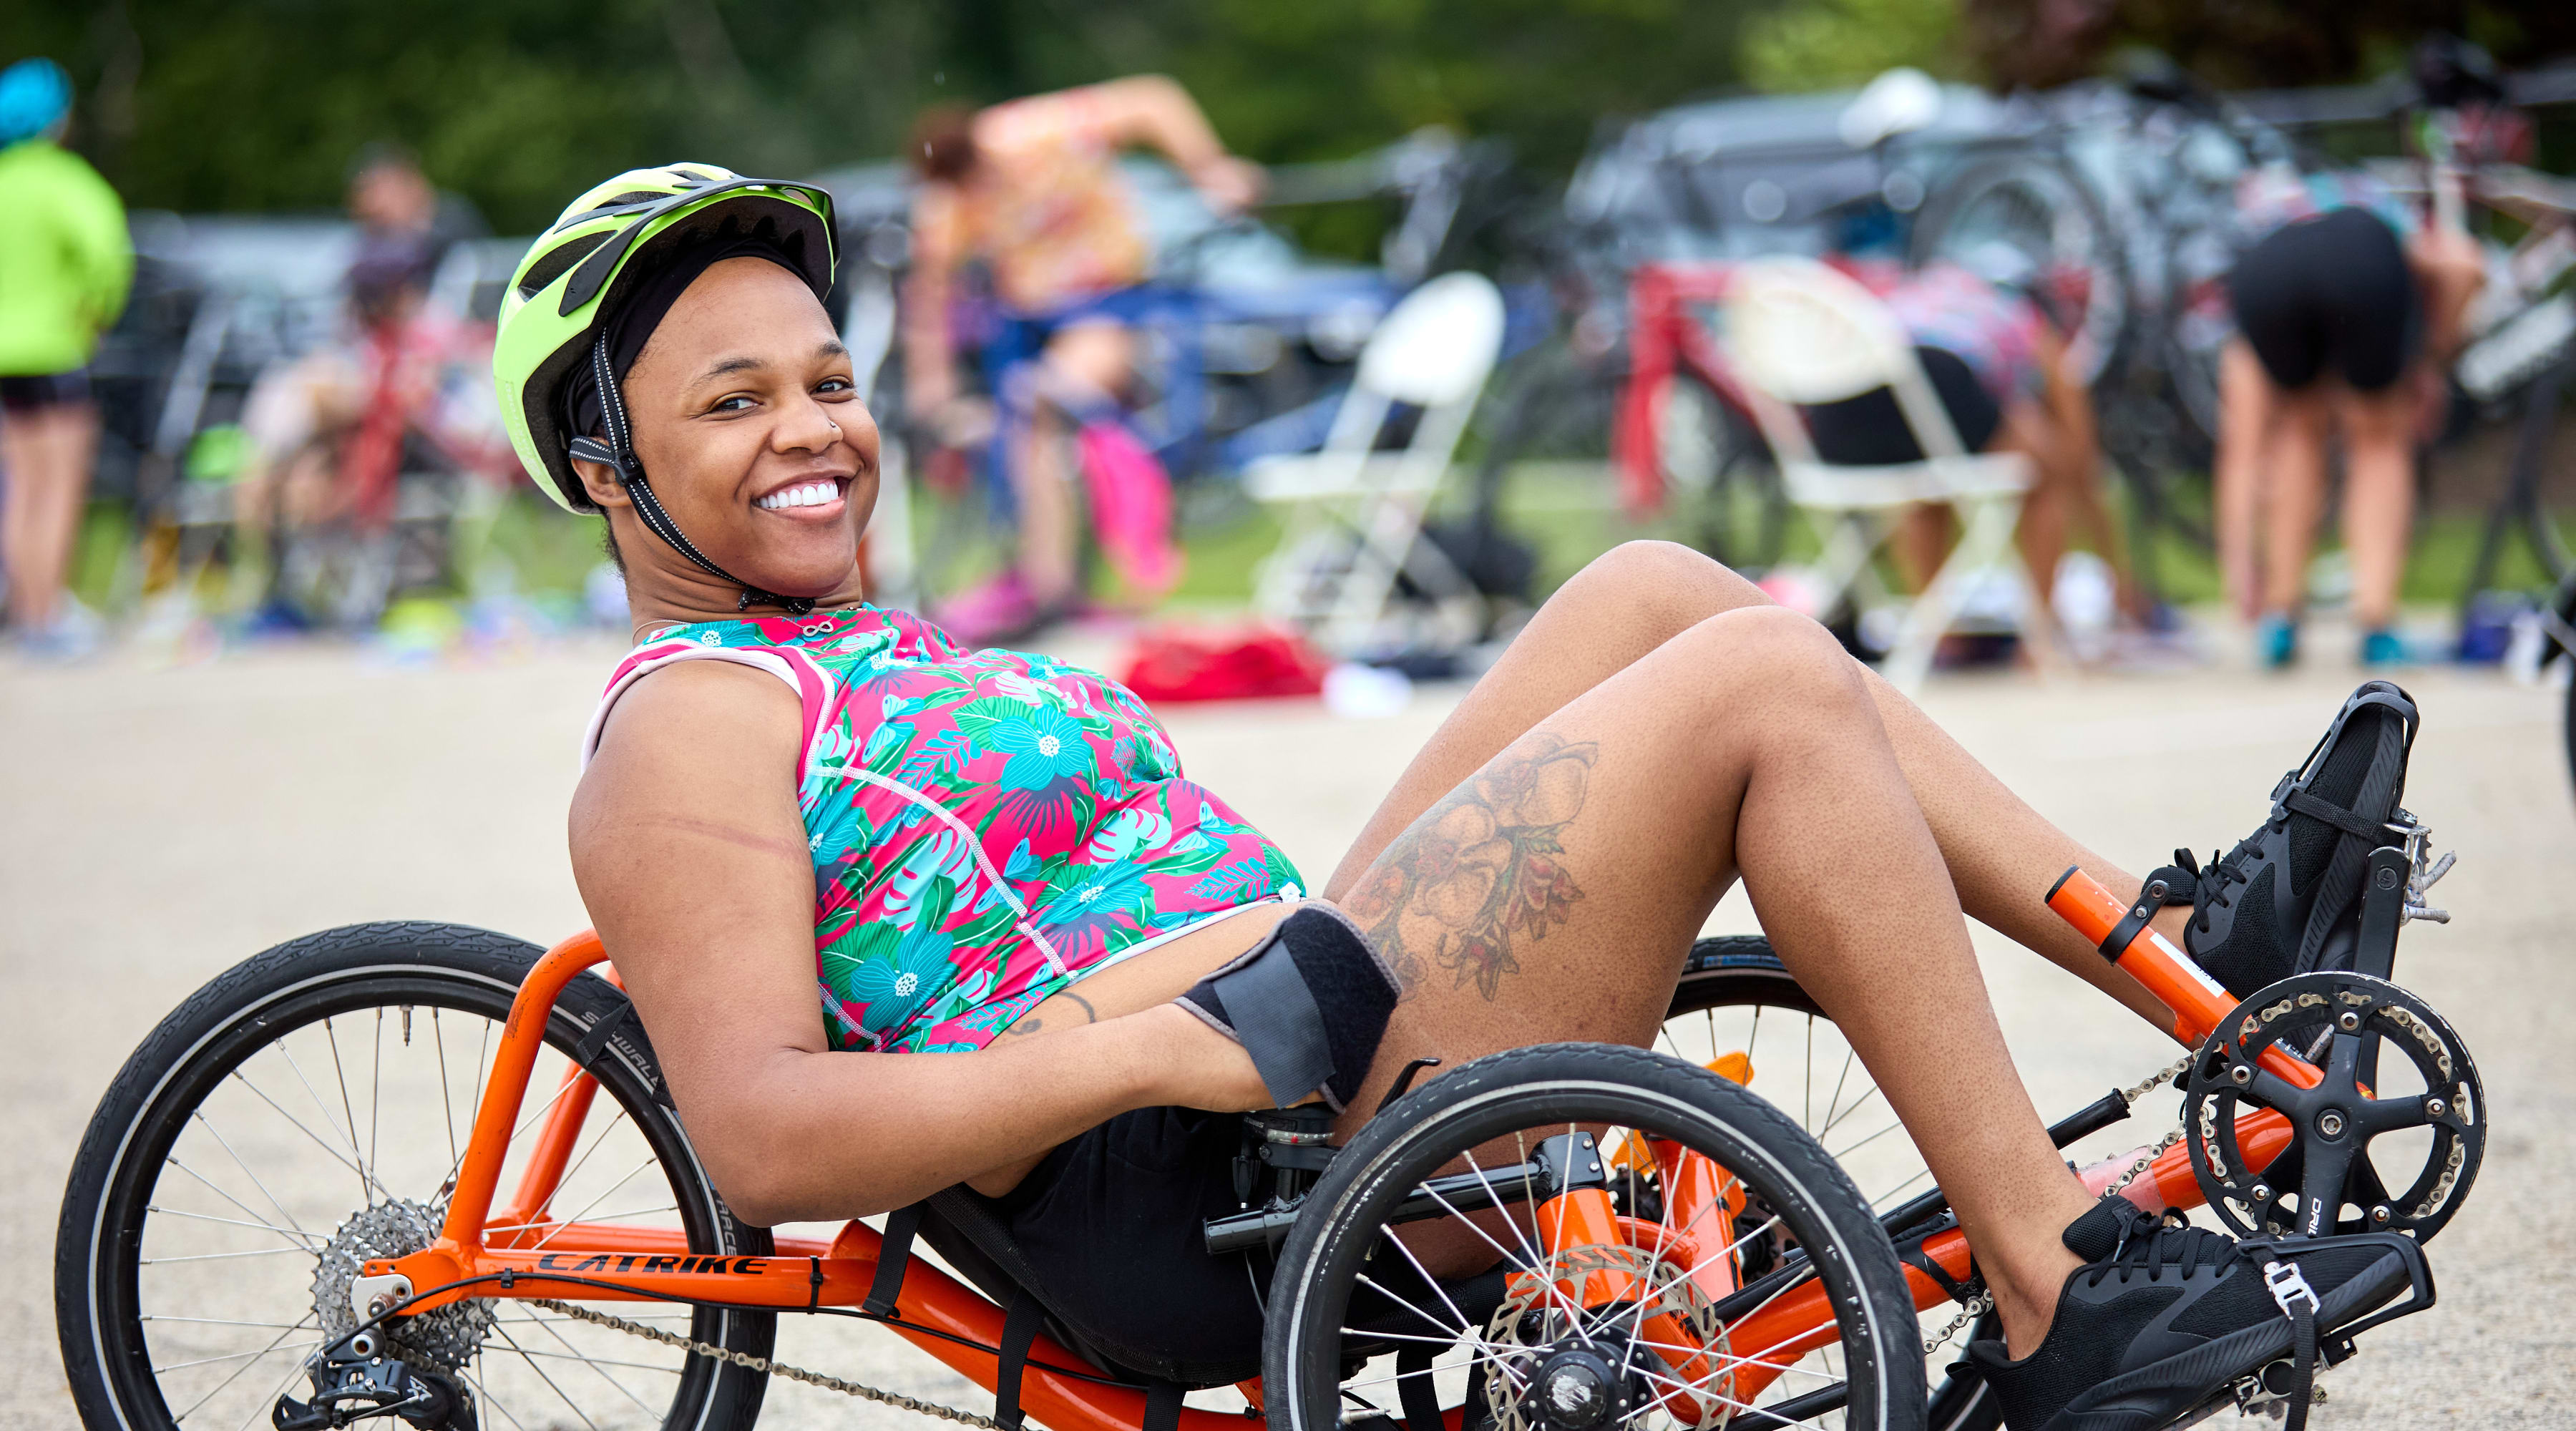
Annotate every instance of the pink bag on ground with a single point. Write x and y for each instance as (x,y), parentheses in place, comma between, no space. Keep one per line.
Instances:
(1131,508)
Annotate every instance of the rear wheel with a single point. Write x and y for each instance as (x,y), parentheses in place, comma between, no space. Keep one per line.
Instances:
(1736,1001)
(2038,213)
(1607,1330)
(209,1235)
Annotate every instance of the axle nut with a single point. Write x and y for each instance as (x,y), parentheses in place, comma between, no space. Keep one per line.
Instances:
(2242,1074)
(2330,1123)
(2436,1107)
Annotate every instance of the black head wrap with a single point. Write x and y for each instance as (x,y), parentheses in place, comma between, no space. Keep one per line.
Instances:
(642,309)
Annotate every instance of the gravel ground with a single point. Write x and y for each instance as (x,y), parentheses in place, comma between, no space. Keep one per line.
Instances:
(164,824)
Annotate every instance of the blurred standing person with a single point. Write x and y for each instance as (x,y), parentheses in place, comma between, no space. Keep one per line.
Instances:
(2347,313)
(65,265)
(1030,188)
(395,204)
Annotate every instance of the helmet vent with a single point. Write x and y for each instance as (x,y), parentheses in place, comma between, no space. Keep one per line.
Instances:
(556,261)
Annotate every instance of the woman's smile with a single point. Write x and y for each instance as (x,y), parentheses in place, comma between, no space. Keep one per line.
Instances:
(808,499)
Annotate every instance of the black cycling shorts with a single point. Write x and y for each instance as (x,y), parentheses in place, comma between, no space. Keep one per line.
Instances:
(1110,1224)
(1870,430)
(34,392)
(2330,293)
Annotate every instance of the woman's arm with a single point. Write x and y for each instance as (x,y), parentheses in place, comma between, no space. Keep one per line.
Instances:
(1154,110)
(691,856)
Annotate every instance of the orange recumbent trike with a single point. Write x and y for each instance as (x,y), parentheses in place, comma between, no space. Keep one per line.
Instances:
(371,1174)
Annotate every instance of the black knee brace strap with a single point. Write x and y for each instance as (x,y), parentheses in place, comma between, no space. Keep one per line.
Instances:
(1309,1003)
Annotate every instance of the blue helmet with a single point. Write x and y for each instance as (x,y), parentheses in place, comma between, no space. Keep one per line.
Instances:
(33,95)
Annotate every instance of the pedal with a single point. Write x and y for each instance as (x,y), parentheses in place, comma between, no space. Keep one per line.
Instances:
(2266,1391)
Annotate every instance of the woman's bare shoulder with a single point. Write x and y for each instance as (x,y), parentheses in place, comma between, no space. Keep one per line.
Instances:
(693,734)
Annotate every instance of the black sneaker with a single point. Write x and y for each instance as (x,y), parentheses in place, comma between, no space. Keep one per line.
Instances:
(2287,899)
(2165,1318)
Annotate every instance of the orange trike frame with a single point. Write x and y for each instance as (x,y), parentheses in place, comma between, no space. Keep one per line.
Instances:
(960,1326)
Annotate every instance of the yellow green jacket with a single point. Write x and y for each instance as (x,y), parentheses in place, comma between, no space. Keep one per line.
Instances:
(65,260)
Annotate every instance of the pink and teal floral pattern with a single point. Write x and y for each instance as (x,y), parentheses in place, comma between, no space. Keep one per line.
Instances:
(985,825)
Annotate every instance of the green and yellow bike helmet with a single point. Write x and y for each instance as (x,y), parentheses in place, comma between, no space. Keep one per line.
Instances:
(607,242)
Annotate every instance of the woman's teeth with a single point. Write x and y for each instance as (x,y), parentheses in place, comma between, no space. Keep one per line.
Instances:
(804,494)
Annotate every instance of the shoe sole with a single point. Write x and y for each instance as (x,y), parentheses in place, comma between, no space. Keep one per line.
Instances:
(2157,1394)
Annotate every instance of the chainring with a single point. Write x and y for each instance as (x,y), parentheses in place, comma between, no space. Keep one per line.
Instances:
(2338,1022)
(444,1337)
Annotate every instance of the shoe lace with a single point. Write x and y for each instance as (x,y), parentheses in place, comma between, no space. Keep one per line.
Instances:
(2215,886)
(2166,1242)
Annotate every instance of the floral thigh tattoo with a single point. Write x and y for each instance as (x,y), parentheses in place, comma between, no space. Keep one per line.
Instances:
(1483,864)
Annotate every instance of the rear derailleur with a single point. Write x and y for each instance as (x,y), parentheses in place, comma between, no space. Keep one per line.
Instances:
(357,1381)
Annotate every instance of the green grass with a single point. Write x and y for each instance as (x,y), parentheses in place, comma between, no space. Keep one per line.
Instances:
(1567,511)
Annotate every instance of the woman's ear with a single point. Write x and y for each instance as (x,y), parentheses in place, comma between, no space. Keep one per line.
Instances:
(599,482)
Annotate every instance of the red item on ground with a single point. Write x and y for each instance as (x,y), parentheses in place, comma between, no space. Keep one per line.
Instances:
(1229,663)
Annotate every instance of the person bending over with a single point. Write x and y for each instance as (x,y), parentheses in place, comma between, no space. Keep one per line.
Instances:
(1031,188)
(2347,312)
(900,916)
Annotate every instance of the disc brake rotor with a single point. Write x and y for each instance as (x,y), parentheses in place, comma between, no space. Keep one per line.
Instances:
(1533,1322)
(2341,1024)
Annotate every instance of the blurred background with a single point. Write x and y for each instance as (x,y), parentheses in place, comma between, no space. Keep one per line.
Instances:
(294,437)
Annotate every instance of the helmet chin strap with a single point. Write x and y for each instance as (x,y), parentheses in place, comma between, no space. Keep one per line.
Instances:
(618,452)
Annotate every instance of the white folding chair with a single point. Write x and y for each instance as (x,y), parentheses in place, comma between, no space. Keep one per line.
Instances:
(1800,335)
(1354,514)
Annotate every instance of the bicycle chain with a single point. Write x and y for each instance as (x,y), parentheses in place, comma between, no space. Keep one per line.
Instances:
(1984,1301)
(762,1364)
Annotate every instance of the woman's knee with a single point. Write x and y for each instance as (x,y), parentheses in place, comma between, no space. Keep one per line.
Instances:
(1662,585)
(1777,661)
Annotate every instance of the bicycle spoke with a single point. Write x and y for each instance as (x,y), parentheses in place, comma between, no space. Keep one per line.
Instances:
(483,1394)
(232,1356)
(492,1227)
(596,1140)
(311,1092)
(220,1256)
(263,1408)
(541,1376)
(305,1242)
(216,1322)
(446,1100)
(593,1363)
(200,1115)
(227,1381)
(317,1138)
(649,1161)
(375,1094)
(1836,1102)
(365,1193)
(1465,1328)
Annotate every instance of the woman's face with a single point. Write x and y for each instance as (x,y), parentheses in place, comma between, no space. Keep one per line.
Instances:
(751,432)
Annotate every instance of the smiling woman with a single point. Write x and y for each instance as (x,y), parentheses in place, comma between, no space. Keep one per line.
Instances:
(902,917)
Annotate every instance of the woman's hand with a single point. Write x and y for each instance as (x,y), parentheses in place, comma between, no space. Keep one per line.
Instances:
(1230,185)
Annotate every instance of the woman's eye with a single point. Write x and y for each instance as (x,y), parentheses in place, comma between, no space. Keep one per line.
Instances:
(736,403)
(834,385)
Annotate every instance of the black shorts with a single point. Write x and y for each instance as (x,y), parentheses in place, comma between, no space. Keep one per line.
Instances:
(36,391)
(1870,430)
(2331,293)
(1109,1228)
(1108,1233)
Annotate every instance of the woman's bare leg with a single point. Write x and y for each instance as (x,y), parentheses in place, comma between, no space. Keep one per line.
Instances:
(48,454)
(2378,496)
(2294,466)
(2246,412)
(2002,856)
(1550,895)
(1097,356)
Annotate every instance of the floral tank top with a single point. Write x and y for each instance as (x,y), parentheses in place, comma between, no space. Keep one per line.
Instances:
(986,826)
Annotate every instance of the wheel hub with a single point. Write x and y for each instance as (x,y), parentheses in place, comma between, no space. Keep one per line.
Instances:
(1576,1389)
(444,1337)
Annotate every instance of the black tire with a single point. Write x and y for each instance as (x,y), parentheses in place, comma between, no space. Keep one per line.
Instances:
(1740,970)
(2013,198)
(1588,1084)
(199,1053)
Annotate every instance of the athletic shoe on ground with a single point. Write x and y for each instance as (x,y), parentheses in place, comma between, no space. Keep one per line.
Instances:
(2163,1317)
(2276,641)
(2383,647)
(2287,899)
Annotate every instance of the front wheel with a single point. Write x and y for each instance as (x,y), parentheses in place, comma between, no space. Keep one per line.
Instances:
(1388,1290)
(208,1235)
